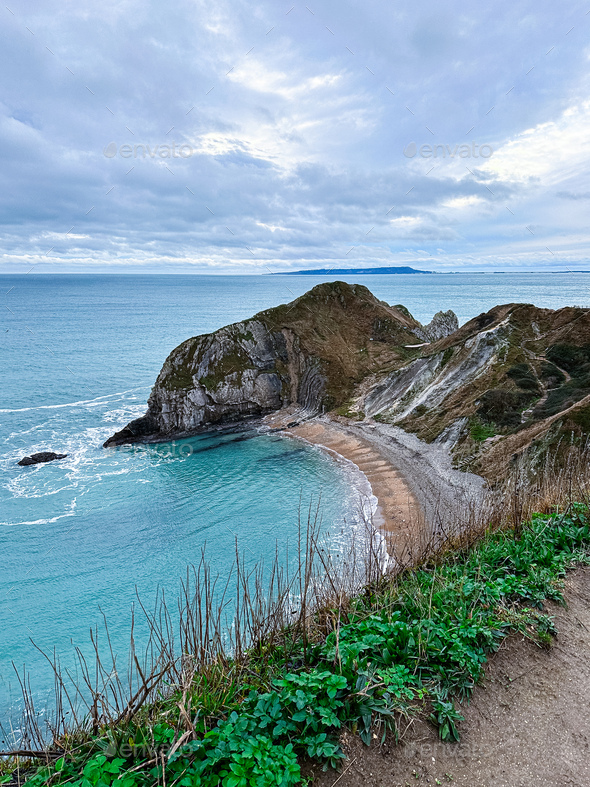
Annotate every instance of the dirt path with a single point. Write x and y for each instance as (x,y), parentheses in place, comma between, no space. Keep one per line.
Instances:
(529,724)
(546,391)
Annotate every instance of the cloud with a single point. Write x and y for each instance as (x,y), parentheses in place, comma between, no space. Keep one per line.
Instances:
(551,152)
(570,195)
(297,123)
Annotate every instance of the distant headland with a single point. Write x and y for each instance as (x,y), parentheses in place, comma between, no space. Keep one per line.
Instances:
(348,271)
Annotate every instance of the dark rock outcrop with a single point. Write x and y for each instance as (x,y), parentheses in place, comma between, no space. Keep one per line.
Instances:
(43,456)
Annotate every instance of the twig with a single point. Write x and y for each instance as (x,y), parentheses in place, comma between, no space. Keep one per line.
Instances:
(352,762)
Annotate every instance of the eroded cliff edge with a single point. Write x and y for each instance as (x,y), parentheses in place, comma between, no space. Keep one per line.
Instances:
(312,353)
(512,381)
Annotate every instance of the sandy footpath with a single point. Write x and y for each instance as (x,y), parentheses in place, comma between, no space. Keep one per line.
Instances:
(527,725)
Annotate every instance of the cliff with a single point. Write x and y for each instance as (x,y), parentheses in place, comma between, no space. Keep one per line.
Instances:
(511,381)
(312,353)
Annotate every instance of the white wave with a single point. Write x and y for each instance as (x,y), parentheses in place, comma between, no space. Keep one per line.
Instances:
(21,432)
(130,411)
(85,467)
(74,444)
(48,521)
(82,402)
(368,519)
(17,489)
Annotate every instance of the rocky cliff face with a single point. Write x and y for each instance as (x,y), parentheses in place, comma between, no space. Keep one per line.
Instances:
(511,376)
(428,381)
(240,371)
(441,325)
(310,353)
(514,376)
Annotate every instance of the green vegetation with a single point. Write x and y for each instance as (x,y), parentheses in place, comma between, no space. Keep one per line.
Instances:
(563,397)
(581,418)
(502,407)
(575,360)
(404,310)
(524,377)
(180,374)
(447,355)
(230,363)
(384,329)
(480,431)
(551,375)
(346,411)
(408,645)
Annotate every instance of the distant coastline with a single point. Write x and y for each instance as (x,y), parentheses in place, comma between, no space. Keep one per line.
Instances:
(348,271)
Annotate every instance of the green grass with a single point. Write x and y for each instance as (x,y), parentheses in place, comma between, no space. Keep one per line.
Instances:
(447,355)
(414,645)
(347,411)
(480,431)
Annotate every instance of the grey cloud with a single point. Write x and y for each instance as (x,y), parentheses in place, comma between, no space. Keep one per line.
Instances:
(573,196)
(306,171)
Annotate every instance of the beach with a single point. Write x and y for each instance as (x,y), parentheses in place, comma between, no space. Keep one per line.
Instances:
(398,512)
(419,493)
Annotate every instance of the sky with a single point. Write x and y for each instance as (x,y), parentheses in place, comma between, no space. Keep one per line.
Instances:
(256,137)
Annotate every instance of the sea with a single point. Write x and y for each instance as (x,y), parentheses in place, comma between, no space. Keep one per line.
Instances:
(84,537)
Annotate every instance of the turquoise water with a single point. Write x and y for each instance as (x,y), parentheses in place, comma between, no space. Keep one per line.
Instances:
(79,354)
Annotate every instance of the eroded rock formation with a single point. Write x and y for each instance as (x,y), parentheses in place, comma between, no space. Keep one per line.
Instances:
(310,353)
(510,380)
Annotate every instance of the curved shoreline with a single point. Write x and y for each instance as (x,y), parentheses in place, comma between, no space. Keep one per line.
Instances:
(420,495)
(399,516)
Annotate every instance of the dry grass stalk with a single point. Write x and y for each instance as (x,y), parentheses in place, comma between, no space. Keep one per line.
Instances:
(272,604)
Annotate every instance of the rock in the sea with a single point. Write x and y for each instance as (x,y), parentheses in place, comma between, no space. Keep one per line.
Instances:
(44,456)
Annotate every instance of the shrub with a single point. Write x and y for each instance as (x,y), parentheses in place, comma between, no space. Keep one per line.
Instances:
(502,407)
(575,360)
(566,395)
(413,645)
(524,377)
(552,375)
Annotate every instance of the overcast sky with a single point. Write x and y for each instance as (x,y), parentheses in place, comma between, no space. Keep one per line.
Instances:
(242,137)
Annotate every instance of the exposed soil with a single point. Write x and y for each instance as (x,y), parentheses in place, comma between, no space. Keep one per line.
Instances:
(528,724)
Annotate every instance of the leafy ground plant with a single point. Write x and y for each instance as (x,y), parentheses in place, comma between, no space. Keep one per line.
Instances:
(412,645)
